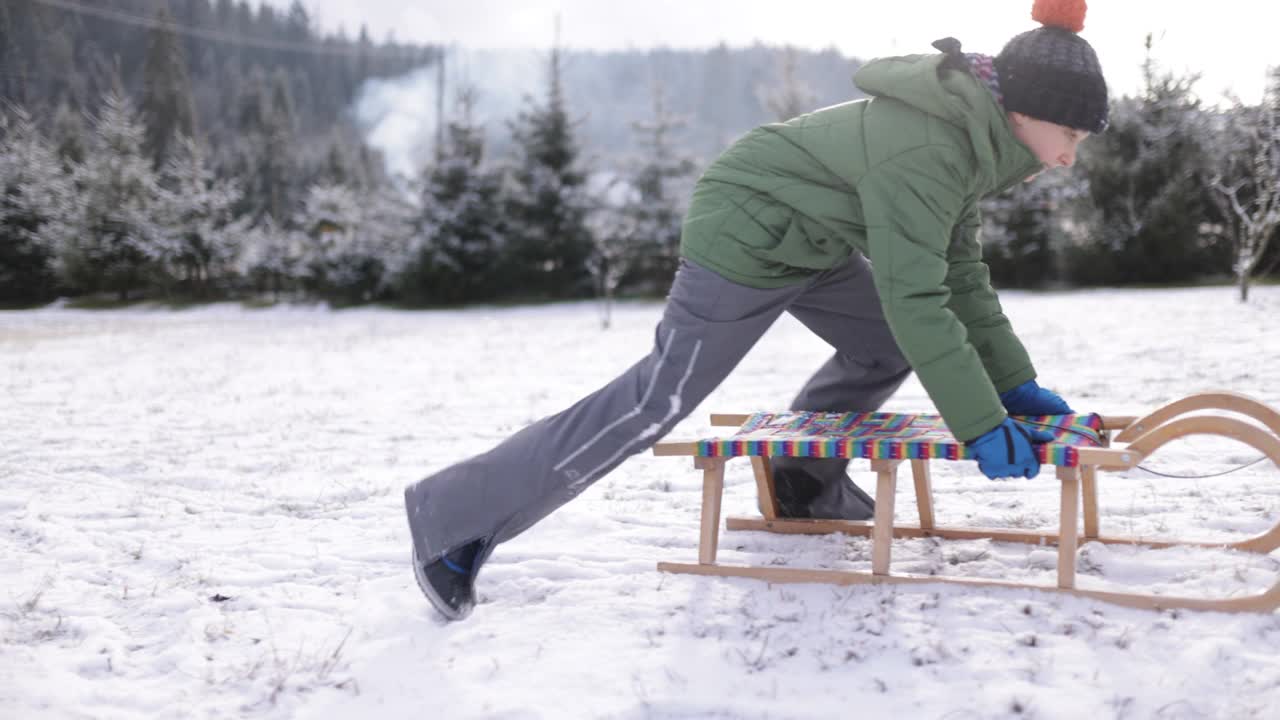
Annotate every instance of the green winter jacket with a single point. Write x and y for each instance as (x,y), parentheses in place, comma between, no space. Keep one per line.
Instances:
(897,178)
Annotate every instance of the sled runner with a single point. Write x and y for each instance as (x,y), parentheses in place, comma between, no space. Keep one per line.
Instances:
(1083,445)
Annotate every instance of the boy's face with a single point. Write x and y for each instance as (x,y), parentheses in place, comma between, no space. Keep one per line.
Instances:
(1055,145)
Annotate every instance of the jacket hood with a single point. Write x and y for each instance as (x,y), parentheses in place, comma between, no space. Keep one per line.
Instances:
(928,83)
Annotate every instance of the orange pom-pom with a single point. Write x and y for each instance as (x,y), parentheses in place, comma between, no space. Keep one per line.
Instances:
(1066,14)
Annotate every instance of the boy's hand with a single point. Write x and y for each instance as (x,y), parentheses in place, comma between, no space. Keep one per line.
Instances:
(1008,450)
(1031,399)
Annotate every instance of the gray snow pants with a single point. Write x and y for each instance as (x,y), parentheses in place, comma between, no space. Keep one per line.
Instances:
(708,326)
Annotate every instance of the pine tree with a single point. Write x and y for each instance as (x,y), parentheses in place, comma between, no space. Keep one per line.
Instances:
(297,23)
(1024,230)
(612,252)
(345,162)
(790,96)
(167,109)
(111,239)
(546,203)
(1143,178)
(20,30)
(635,229)
(253,106)
(351,241)
(361,61)
(278,170)
(34,192)
(265,152)
(201,235)
(67,135)
(662,180)
(272,256)
(241,150)
(330,219)
(389,217)
(458,238)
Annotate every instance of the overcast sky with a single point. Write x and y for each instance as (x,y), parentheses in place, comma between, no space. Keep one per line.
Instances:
(1231,42)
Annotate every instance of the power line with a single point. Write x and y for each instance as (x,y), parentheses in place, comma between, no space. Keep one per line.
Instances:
(214,34)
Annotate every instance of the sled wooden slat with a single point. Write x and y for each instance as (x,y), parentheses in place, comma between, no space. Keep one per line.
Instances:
(1089,491)
(862,528)
(924,492)
(675,448)
(712,492)
(882,534)
(1077,473)
(1265,601)
(1068,515)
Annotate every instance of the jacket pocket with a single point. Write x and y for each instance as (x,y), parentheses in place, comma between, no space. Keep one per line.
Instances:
(803,244)
(761,224)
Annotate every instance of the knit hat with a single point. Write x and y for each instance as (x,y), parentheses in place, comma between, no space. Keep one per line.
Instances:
(1051,73)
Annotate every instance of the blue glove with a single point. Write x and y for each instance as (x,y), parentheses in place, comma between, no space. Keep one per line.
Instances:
(1008,450)
(1031,399)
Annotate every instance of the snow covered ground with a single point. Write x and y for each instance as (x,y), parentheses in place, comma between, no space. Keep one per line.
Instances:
(201,516)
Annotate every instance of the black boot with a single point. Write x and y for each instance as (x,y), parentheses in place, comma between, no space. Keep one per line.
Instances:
(819,489)
(449,582)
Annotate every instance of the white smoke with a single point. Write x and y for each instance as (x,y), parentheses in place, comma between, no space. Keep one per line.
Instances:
(398,115)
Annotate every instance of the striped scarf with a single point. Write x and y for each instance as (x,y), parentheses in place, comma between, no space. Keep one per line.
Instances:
(983,67)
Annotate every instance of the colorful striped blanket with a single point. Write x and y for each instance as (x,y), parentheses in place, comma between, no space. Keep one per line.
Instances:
(887,436)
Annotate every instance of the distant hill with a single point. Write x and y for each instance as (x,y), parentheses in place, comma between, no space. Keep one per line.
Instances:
(69,52)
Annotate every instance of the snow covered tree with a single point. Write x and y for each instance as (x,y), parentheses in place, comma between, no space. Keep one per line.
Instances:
(635,226)
(459,236)
(201,236)
(1244,176)
(109,237)
(1016,231)
(662,179)
(546,203)
(166,107)
(330,219)
(278,170)
(389,217)
(1024,231)
(265,148)
(345,161)
(67,136)
(1143,175)
(789,96)
(613,232)
(350,242)
(33,192)
(272,257)
(297,24)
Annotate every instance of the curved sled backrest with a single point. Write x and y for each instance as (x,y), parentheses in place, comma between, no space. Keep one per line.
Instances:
(1221,400)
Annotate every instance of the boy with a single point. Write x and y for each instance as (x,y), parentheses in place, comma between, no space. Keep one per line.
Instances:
(786,220)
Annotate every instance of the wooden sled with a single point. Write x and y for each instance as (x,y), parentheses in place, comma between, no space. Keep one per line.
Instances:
(1120,443)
